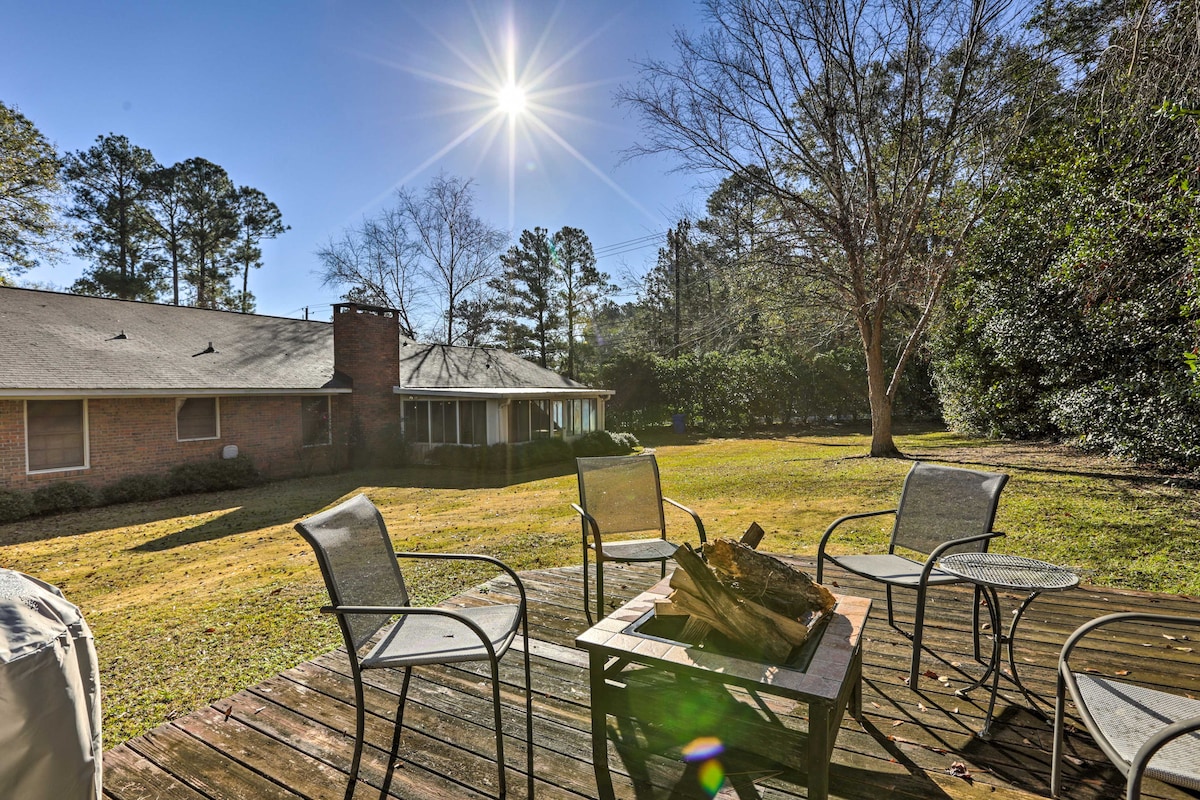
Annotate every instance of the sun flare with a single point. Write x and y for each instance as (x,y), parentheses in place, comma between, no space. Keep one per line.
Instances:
(511,100)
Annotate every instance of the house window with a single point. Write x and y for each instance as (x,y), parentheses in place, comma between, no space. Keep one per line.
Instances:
(518,421)
(446,421)
(416,421)
(588,423)
(472,422)
(56,435)
(540,417)
(314,420)
(197,418)
(443,422)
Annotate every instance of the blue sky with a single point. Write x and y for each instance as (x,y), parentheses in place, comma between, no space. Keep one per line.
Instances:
(328,107)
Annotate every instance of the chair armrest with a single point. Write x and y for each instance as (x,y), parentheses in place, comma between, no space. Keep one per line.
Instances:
(1092,626)
(952,543)
(1151,746)
(829,532)
(429,611)
(588,522)
(495,562)
(695,517)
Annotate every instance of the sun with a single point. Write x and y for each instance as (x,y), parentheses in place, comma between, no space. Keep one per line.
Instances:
(512,96)
(510,100)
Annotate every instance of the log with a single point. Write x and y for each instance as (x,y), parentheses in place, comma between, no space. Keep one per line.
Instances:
(766,580)
(761,633)
(695,629)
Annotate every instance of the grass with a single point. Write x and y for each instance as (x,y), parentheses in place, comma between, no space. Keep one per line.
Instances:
(193,598)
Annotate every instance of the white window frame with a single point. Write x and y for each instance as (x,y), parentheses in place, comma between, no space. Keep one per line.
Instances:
(179,401)
(87,440)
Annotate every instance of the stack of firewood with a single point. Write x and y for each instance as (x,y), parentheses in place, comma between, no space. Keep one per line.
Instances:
(765,607)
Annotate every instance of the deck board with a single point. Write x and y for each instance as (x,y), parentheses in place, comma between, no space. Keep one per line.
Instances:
(291,737)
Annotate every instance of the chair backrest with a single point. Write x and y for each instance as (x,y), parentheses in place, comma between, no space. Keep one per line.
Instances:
(622,493)
(358,563)
(942,503)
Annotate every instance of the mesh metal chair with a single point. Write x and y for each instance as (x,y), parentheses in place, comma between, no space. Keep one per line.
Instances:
(1142,730)
(621,496)
(370,596)
(942,510)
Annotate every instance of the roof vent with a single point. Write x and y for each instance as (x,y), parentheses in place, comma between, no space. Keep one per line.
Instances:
(120,335)
(205,351)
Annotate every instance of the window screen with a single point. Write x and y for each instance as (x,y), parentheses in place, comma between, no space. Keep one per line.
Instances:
(56,434)
(314,418)
(196,418)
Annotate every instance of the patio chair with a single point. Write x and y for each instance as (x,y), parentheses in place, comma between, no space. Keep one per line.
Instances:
(1142,730)
(370,596)
(942,510)
(621,495)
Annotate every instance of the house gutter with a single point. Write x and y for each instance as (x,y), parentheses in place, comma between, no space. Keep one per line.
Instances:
(180,391)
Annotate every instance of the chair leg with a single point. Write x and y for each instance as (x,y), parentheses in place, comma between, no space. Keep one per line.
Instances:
(495,664)
(528,717)
(918,626)
(599,587)
(360,721)
(587,604)
(391,764)
(891,619)
(1056,757)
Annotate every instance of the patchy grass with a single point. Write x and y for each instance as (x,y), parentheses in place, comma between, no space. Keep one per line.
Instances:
(193,598)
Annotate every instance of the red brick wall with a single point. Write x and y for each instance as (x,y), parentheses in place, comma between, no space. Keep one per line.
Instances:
(135,436)
(366,349)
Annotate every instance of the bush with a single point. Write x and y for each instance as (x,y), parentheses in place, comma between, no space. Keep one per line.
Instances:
(604,443)
(135,488)
(503,457)
(64,496)
(213,476)
(15,506)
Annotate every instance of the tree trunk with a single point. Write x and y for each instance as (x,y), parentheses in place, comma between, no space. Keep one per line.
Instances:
(882,444)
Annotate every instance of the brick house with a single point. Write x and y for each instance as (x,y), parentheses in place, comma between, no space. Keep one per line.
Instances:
(93,390)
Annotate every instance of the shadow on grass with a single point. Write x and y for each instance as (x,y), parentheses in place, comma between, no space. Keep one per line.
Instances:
(276,503)
(263,508)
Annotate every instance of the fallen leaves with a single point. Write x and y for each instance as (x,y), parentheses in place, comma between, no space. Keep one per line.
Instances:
(959,770)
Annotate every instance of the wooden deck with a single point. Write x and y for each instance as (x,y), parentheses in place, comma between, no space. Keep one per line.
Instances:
(291,736)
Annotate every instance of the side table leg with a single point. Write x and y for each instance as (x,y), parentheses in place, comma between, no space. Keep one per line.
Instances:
(1012,661)
(818,751)
(604,786)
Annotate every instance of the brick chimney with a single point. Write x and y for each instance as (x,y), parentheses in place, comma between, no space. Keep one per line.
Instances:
(366,349)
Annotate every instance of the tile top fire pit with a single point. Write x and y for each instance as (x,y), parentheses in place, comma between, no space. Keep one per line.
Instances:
(825,673)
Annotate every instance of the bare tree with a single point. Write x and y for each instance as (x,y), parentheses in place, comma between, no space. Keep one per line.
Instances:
(459,251)
(874,125)
(378,261)
(428,257)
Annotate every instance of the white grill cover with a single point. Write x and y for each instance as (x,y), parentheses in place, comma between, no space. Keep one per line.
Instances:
(49,695)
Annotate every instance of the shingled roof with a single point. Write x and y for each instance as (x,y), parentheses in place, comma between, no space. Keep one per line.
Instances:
(436,368)
(69,345)
(63,344)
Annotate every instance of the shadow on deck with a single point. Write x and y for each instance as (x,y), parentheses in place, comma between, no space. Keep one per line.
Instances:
(291,737)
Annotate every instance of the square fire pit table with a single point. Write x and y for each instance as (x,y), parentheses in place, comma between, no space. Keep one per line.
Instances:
(825,673)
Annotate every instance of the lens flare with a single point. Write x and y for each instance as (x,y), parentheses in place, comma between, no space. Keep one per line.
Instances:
(703,748)
(704,752)
(513,96)
(511,99)
(711,775)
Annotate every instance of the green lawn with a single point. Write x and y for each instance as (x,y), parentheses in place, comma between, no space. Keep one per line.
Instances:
(193,598)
